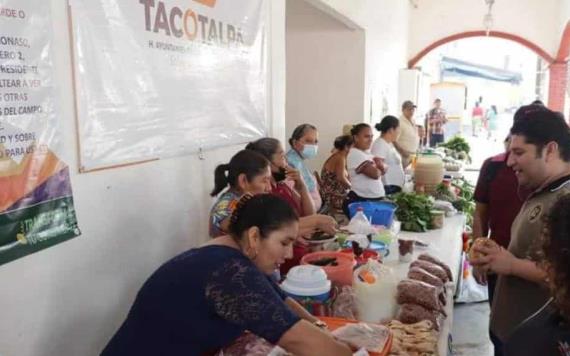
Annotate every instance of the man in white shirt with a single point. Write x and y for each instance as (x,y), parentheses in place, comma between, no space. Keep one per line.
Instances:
(410,133)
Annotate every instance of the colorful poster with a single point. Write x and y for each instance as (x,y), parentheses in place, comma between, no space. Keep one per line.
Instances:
(158,79)
(36,203)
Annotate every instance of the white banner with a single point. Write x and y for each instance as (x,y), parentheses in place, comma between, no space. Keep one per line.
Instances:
(158,79)
(36,203)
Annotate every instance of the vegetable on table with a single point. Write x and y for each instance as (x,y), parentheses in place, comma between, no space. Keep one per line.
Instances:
(414,211)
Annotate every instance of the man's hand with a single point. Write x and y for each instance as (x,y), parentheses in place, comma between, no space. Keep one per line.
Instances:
(480,275)
(498,260)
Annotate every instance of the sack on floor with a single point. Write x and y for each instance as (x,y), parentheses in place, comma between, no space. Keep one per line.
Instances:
(469,291)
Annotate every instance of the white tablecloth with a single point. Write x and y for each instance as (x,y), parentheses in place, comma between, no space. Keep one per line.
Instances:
(445,244)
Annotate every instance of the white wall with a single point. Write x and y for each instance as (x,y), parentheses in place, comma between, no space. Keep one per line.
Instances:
(537,21)
(69,299)
(325,74)
(386,25)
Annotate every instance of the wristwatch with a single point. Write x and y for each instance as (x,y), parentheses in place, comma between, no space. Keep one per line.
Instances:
(320,324)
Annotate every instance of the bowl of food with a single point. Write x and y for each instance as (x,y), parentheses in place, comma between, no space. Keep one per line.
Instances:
(320,237)
(337,265)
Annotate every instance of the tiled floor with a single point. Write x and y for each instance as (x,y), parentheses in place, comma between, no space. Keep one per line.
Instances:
(470,330)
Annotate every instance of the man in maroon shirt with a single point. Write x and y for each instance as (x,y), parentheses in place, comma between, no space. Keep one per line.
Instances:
(498,201)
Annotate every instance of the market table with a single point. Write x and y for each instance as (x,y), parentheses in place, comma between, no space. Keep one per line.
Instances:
(447,245)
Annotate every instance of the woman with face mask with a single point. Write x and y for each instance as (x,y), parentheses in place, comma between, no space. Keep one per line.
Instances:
(364,169)
(303,143)
(207,297)
(288,184)
(247,172)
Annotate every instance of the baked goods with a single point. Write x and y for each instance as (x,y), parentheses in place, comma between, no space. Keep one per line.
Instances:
(435,260)
(413,339)
(420,274)
(431,268)
(420,293)
(414,313)
(481,242)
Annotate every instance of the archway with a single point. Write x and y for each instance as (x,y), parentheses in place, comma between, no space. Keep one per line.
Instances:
(558,67)
(533,47)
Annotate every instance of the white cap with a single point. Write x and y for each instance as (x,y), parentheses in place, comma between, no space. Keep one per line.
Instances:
(306,281)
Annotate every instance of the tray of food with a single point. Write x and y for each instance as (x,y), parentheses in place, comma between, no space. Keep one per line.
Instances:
(375,338)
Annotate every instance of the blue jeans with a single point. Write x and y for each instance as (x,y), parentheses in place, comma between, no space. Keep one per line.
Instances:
(434,139)
(392,189)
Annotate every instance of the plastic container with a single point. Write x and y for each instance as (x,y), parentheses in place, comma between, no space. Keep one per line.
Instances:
(376,296)
(335,323)
(341,274)
(359,223)
(437,219)
(428,172)
(378,212)
(307,282)
(405,250)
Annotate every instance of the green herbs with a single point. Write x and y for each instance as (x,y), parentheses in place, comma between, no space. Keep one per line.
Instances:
(414,211)
(464,202)
(457,148)
(442,192)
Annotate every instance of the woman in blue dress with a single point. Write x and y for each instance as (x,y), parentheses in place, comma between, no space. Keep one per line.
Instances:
(205,298)
(304,146)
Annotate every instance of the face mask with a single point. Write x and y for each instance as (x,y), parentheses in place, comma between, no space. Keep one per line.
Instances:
(310,151)
(279,176)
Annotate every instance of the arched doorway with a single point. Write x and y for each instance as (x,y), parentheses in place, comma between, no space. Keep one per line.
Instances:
(508,36)
(494,74)
(558,66)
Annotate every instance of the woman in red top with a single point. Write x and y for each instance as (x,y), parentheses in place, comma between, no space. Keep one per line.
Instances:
(287,183)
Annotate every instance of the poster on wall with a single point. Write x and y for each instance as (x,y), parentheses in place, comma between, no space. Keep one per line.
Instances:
(36,203)
(158,79)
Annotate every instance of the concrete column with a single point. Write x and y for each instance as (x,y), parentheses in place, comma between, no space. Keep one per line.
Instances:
(557,86)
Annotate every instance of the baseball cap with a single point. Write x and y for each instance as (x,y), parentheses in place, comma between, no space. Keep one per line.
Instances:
(408,104)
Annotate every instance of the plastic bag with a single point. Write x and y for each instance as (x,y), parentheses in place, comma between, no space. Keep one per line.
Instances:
(431,268)
(344,305)
(375,287)
(248,344)
(416,292)
(413,313)
(371,337)
(359,224)
(469,291)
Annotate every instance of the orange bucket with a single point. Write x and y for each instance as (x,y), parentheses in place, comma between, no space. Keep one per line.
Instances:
(341,274)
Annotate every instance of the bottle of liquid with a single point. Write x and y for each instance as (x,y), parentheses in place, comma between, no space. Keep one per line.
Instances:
(359,224)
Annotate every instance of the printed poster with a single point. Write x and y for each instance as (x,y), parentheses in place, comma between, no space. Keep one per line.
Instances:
(158,79)
(36,202)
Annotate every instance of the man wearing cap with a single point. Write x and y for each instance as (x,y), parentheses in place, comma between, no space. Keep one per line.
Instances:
(539,154)
(409,140)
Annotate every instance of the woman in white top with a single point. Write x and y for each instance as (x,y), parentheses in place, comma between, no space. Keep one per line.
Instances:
(364,169)
(383,147)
